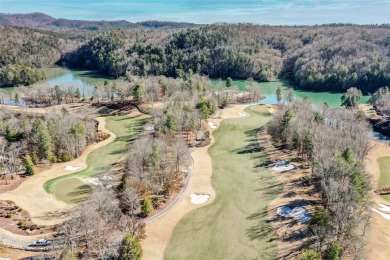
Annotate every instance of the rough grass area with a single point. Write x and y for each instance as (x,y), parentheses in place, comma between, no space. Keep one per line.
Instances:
(384,179)
(233,226)
(70,188)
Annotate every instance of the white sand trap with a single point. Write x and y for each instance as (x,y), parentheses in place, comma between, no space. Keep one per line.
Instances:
(285,168)
(384,215)
(199,198)
(284,211)
(99,181)
(242,114)
(72,168)
(212,125)
(94,181)
(384,207)
(149,128)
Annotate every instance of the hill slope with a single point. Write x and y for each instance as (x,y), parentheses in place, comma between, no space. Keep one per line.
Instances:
(41,20)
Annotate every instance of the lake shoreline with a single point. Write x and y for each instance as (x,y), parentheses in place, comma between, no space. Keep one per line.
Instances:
(86,80)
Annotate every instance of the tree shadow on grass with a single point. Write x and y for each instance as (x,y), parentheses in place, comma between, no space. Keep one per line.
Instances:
(293,253)
(264,161)
(135,129)
(58,214)
(80,194)
(263,231)
(271,190)
(252,143)
(251,148)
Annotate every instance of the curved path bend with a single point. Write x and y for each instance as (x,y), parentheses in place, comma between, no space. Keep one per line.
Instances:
(44,208)
(160,230)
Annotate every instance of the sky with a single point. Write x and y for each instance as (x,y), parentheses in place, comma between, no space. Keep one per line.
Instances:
(274,12)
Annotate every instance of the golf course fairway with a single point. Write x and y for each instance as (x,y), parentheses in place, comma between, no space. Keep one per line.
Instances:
(232,226)
(384,179)
(70,188)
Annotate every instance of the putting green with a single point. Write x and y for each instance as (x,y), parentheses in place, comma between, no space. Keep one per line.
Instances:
(70,188)
(384,178)
(233,226)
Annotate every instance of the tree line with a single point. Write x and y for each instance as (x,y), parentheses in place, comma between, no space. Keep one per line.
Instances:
(23,50)
(318,57)
(27,140)
(327,57)
(381,100)
(334,143)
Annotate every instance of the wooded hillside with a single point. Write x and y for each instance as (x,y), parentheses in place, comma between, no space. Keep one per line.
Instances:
(22,50)
(328,57)
(320,57)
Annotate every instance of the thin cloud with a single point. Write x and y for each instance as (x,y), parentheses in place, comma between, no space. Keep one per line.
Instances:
(210,11)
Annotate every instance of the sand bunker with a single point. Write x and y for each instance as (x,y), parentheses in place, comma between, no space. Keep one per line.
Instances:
(94,181)
(298,213)
(384,207)
(72,168)
(149,128)
(284,168)
(100,181)
(243,114)
(384,215)
(212,125)
(199,198)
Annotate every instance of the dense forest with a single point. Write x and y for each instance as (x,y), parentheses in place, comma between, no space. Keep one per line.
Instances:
(22,50)
(327,57)
(27,140)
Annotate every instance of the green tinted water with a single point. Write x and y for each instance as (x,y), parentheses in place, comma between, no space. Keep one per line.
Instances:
(268,89)
(85,80)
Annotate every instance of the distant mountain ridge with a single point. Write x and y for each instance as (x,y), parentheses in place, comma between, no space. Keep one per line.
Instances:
(26,20)
(41,20)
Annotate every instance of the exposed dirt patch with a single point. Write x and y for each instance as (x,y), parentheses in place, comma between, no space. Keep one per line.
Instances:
(9,253)
(7,183)
(17,220)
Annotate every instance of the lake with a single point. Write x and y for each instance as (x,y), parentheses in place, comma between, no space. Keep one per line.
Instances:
(268,89)
(85,80)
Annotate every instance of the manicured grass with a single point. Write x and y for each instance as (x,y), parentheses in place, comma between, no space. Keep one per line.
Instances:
(71,190)
(233,226)
(384,178)
(126,129)
(261,109)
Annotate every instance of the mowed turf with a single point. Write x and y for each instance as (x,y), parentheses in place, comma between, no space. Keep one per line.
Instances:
(70,188)
(384,178)
(233,226)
